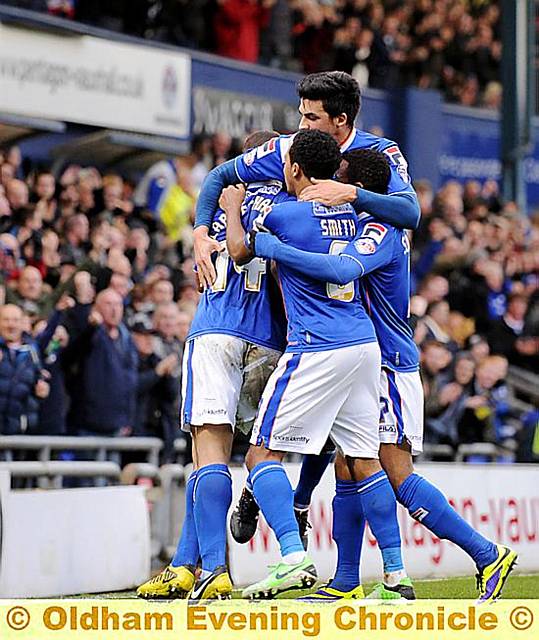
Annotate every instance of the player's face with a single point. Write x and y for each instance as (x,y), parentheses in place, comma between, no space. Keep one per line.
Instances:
(313,116)
(288,174)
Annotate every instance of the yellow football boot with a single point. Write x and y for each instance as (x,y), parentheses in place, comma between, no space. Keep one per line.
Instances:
(490,579)
(172,582)
(216,586)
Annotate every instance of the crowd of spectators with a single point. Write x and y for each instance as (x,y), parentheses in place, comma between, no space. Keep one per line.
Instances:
(476,305)
(98,291)
(97,296)
(453,46)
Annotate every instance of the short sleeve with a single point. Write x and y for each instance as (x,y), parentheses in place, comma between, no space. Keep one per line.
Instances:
(372,248)
(265,162)
(400,181)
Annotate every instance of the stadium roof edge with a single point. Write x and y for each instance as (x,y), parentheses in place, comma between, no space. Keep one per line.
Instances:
(17,127)
(117,148)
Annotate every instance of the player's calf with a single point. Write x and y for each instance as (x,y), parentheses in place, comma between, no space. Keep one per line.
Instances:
(364,489)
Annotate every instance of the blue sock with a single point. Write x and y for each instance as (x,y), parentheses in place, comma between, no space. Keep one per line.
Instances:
(348,530)
(312,470)
(213,495)
(380,509)
(428,505)
(187,550)
(273,494)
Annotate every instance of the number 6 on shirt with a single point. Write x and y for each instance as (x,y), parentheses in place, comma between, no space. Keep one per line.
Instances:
(342,292)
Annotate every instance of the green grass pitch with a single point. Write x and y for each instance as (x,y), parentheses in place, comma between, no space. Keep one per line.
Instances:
(517,587)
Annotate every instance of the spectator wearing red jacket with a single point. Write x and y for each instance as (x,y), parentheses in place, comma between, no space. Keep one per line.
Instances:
(237,27)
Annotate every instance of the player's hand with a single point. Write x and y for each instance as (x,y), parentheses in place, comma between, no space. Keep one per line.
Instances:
(232,198)
(329,192)
(264,244)
(203,247)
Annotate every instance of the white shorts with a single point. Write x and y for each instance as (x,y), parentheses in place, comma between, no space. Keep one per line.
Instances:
(401,414)
(215,367)
(311,396)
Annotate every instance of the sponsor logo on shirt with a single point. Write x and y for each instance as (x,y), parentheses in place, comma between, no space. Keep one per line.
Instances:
(374,231)
(395,156)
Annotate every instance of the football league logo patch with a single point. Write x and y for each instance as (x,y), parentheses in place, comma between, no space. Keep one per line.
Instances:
(249,157)
(365,246)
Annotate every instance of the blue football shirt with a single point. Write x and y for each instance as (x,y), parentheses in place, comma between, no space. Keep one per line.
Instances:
(383,255)
(244,301)
(321,316)
(267,161)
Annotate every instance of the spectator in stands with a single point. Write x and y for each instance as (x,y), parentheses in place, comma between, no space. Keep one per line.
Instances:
(507,335)
(508,326)
(451,46)
(445,410)
(76,232)
(479,348)
(30,294)
(17,195)
(237,27)
(437,321)
(221,147)
(166,323)
(166,320)
(44,187)
(435,359)
(22,383)
(528,438)
(53,410)
(7,173)
(157,392)
(434,288)
(488,409)
(105,389)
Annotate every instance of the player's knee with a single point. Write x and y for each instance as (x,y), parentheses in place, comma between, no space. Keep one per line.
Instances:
(397,464)
(254,456)
(342,472)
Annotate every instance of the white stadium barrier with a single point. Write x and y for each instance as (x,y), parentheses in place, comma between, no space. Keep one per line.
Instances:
(502,501)
(72,541)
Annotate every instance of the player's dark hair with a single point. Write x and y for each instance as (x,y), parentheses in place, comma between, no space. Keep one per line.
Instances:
(368,167)
(338,91)
(258,138)
(316,153)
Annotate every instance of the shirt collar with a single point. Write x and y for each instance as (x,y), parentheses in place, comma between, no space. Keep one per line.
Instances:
(346,144)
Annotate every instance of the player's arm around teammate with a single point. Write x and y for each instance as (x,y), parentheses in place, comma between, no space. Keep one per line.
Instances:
(383,252)
(329,102)
(230,202)
(326,383)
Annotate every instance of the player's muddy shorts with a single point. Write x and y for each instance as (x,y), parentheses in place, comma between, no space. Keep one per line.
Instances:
(222,380)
